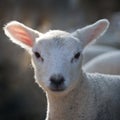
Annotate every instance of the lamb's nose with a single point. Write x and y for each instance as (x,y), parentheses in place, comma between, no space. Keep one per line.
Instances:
(57,80)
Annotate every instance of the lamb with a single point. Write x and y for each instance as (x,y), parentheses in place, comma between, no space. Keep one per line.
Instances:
(72,94)
(107,63)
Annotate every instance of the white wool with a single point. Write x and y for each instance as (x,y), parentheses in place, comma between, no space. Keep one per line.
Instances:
(107,63)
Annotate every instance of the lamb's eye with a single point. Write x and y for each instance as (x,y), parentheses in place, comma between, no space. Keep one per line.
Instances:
(37,55)
(77,55)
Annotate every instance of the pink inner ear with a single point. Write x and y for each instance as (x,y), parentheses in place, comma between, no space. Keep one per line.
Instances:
(97,31)
(20,34)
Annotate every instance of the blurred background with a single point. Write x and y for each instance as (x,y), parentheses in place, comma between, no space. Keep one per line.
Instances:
(20,97)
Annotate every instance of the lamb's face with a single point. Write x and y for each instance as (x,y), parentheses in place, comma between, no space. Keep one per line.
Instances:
(57,58)
(56,55)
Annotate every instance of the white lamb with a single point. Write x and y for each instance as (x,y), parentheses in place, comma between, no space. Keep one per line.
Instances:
(107,63)
(71,93)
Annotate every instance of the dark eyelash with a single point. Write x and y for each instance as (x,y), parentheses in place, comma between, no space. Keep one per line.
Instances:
(76,56)
(38,56)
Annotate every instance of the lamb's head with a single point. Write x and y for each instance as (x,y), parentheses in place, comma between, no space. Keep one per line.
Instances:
(56,55)
(56,58)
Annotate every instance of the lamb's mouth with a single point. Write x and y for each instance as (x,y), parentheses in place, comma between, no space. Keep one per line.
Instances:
(54,88)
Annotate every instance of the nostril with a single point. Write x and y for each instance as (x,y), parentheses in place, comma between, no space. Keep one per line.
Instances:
(57,80)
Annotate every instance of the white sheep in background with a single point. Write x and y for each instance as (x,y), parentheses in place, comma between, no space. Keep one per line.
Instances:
(71,93)
(94,50)
(107,63)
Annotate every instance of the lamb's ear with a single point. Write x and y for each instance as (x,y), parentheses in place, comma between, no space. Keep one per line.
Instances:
(21,34)
(92,32)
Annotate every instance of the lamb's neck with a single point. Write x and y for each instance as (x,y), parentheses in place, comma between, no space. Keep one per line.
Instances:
(65,107)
